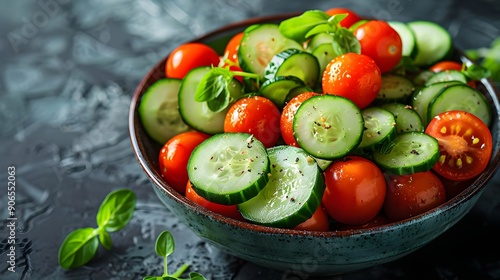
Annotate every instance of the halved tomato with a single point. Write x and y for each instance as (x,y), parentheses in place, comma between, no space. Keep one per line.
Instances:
(465,144)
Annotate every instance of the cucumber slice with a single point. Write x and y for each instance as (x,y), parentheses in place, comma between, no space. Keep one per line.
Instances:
(408,153)
(461,97)
(420,100)
(395,88)
(277,89)
(294,62)
(407,37)
(446,76)
(421,78)
(260,42)
(380,126)
(328,126)
(229,168)
(297,91)
(318,40)
(407,119)
(293,193)
(197,114)
(158,110)
(432,40)
(324,53)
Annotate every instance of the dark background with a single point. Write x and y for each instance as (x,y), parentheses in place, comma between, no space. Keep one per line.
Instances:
(67,72)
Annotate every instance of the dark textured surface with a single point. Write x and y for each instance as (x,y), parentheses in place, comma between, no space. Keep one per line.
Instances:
(67,72)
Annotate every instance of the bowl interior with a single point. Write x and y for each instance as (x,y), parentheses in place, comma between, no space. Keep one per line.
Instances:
(146,149)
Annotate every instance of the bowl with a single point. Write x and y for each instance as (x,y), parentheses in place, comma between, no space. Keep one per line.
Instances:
(296,251)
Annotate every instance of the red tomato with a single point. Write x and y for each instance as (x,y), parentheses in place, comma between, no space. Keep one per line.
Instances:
(411,195)
(355,190)
(354,76)
(318,222)
(232,47)
(230,211)
(286,120)
(446,65)
(174,157)
(347,22)
(380,42)
(230,57)
(189,56)
(256,115)
(465,144)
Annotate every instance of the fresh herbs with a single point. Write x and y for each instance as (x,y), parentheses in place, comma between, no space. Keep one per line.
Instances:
(164,247)
(214,87)
(80,246)
(313,22)
(488,58)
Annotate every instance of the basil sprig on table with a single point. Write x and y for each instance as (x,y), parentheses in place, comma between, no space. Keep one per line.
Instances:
(164,247)
(80,246)
(313,22)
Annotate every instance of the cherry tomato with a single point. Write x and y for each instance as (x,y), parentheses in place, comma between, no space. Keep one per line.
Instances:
(446,65)
(174,157)
(318,222)
(347,22)
(189,56)
(230,211)
(411,195)
(232,47)
(380,42)
(465,144)
(230,58)
(354,76)
(355,190)
(287,114)
(256,115)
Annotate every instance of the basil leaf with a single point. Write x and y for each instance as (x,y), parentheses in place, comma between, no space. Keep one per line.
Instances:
(494,66)
(344,42)
(214,89)
(477,72)
(297,27)
(105,239)
(336,19)
(322,28)
(78,248)
(196,276)
(116,210)
(212,84)
(164,245)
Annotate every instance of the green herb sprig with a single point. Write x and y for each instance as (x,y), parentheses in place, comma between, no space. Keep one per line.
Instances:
(214,87)
(164,247)
(80,246)
(313,22)
(489,58)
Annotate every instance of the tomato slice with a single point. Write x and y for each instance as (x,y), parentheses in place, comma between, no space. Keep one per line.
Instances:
(465,144)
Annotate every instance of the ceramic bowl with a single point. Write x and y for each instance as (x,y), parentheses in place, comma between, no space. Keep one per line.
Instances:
(295,251)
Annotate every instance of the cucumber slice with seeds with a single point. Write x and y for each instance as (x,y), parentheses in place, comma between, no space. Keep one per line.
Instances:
(395,88)
(380,126)
(229,168)
(408,153)
(260,42)
(447,76)
(293,193)
(460,97)
(407,119)
(294,62)
(158,110)
(328,126)
(433,42)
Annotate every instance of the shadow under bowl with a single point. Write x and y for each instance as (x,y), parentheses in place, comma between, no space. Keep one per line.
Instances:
(305,252)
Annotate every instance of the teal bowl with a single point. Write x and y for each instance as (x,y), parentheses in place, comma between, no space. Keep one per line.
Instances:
(296,251)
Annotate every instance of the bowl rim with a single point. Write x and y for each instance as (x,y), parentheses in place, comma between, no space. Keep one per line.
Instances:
(477,185)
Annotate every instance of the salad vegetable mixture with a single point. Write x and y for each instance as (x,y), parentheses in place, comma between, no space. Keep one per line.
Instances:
(324,121)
